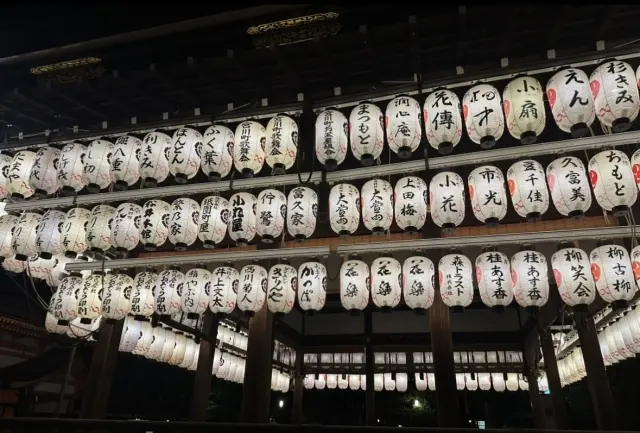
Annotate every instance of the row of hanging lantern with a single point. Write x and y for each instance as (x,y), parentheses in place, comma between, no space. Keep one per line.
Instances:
(48,270)
(355,358)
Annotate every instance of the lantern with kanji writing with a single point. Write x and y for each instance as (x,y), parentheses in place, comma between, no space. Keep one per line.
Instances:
(252,289)
(217,152)
(224,290)
(146,338)
(366,132)
(410,203)
(419,282)
(332,140)
(5,165)
(615,94)
(443,120)
(282,143)
(386,283)
(344,209)
(65,307)
(184,154)
(281,288)
(214,216)
(302,211)
(97,169)
(403,125)
(168,291)
(613,274)
(243,221)
(571,271)
(270,214)
(49,233)
(116,297)
(569,186)
(125,162)
(7,226)
(483,117)
(74,230)
(24,237)
(528,189)
(90,296)
(197,288)
(44,173)
(571,102)
(51,324)
(125,230)
(530,278)
(131,331)
(312,286)
(635,167)
(154,226)
(184,216)
(355,281)
(446,200)
(635,262)
(455,274)
(153,166)
(248,151)
(57,270)
(523,105)
(612,181)
(71,168)
(487,194)
(493,274)
(98,232)
(377,205)
(143,303)
(18,175)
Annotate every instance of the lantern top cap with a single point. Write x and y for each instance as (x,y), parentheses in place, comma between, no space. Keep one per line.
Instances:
(527,247)
(565,244)
(489,249)
(608,60)
(603,242)
(150,269)
(173,268)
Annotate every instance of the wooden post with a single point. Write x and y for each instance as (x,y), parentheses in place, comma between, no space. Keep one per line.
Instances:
(531,357)
(202,383)
(553,377)
(297,413)
(370,396)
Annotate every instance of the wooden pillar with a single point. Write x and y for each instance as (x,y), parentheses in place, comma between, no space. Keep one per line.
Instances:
(601,397)
(202,383)
(553,377)
(531,358)
(297,413)
(370,395)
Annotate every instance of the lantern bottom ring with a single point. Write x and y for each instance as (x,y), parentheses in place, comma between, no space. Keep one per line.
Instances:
(267,239)
(180,178)
(120,185)
(492,222)
(448,228)
(209,245)
(139,318)
(621,125)
(149,182)
(579,130)
(63,322)
(93,188)
(576,214)
(620,210)
(331,165)
(404,152)
(580,308)
(278,169)
(46,256)
(367,160)
(181,246)
(411,229)
(445,148)
(300,238)
(193,316)
(354,312)
(214,176)
(242,242)
(151,247)
(528,137)
(457,309)
(67,191)
(69,254)
(40,193)
(533,217)
(420,311)
(248,313)
(619,304)
(377,231)
(487,142)
(17,197)
(85,321)
(344,233)
(247,173)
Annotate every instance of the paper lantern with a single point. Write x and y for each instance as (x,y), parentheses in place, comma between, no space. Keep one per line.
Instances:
(403,125)
(214,216)
(446,200)
(98,233)
(530,278)
(483,117)
(49,234)
(571,102)
(217,152)
(612,181)
(443,120)
(125,230)
(51,325)
(282,143)
(168,292)
(528,189)
(116,298)
(44,173)
(131,333)
(312,292)
(184,154)
(248,152)
(7,225)
(71,168)
(282,286)
(615,94)
(57,270)
(456,280)
(97,168)
(184,217)
(65,307)
(613,274)
(332,140)
(168,347)
(243,218)
(366,132)
(153,166)
(179,350)
(224,290)
(90,297)
(487,194)
(159,337)
(471,382)
(38,268)
(411,203)
(189,353)
(24,237)
(386,282)
(523,104)
(302,211)
(569,186)
(635,262)
(74,232)
(419,282)
(252,289)
(153,229)
(571,270)
(354,285)
(197,288)
(143,303)
(125,162)
(493,274)
(377,205)
(5,165)
(270,212)
(18,175)
(344,209)
(11,264)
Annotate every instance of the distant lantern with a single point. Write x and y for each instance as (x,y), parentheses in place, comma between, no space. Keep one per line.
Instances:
(446,200)
(571,271)
(18,175)
(125,230)
(168,292)
(143,303)
(97,168)
(154,158)
(154,224)
(184,154)
(252,289)
(24,236)
(344,209)
(214,217)
(125,162)
(8,223)
(248,151)
(116,297)
(98,232)
(65,308)
(403,125)
(571,102)
(302,212)
(49,233)
(377,205)
(44,174)
(635,264)
(242,220)
(71,168)
(270,214)
(483,117)
(613,274)
(168,347)
(282,143)
(224,290)
(217,152)
(366,132)
(90,297)
(157,343)
(74,232)
(530,278)
(419,282)
(131,333)
(493,274)
(443,120)
(411,203)
(523,104)
(5,165)
(612,181)
(184,216)
(635,167)
(615,94)
(455,274)
(312,286)
(355,281)
(197,289)
(569,186)
(282,286)
(386,282)
(332,128)
(487,194)
(528,189)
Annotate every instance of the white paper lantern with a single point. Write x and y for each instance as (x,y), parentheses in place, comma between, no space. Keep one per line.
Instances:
(569,186)
(131,333)
(143,303)
(443,120)
(90,297)
(612,181)
(493,274)
(184,154)
(153,229)
(197,288)
(44,173)
(125,229)
(74,232)
(386,282)
(332,140)
(302,211)
(488,195)
(377,205)
(168,347)
(98,233)
(71,168)
(214,216)
(157,343)
(419,282)
(456,280)
(38,268)
(57,270)
(270,212)
(248,152)
(153,166)
(18,175)
(571,271)
(344,209)
(5,165)
(354,285)
(483,117)
(446,200)
(97,168)
(528,189)
(523,104)
(615,94)
(116,297)
(24,237)
(243,224)
(281,288)
(224,290)
(571,102)
(613,274)
(183,223)
(168,292)
(635,264)
(189,353)
(49,233)
(282,143)
(7,226)
(403,125)
(51,325)
(366,132)
(11,264)
(530,278)
(217,152)
(65,307)
(312,291)
(125,162)
(252,289)
(179,350)
(411,203)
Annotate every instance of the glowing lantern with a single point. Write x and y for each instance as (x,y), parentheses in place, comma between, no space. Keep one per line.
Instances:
(366,127)
(125,230)
(130,335)
(487,194)
(615,94)
(302,211)
(57,270)
(65,307)
(90,297)
(189,353)
(528,189)
(331,138)
(116,297)
(157,342)
(74,232)
(168,291)
(177,356)
(197,288)
(386,282)
(282,143)
(281,288)
(49,233)
(456,280)
(442,120)
(168,347)
(184,154)
(411,203)
(377,205)
(243,218)
(97,168)
(530,278)
(569,186)
(484,381)
(523,104)
(183,223)
(24,236)
(575,283)
(217,152)
(635,262)
(493,274)
(483,117)
(224,290)
(354,285)
(44,174)
(344,209)
(612,272)
(612,181)
(252,290)
(143,303)
(11,264)
(19,173)
(270,213)
(498,382)
(125,162)
(571,102)
(154,226)
(312,292)
(98,233)
(248,152)
(71,168)
(5,165)
(51,325)
(7,224)
(153,166)
(419,282)
(214,217)
(404,131)
(446,199)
